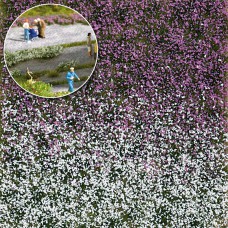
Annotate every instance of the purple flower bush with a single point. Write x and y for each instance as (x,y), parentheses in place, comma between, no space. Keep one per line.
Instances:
(142,144)
(53,19)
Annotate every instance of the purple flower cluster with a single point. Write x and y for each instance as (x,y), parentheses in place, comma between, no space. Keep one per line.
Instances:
(53,19)
(143,142)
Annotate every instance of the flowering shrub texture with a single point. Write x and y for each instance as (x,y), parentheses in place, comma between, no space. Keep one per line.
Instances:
(13,58)
(54,19)
(142,144)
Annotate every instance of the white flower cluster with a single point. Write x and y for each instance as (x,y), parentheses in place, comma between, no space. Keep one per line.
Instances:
(107,169)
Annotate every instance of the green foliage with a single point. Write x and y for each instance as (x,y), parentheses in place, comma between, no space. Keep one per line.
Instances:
(60,94)
(48,10)
(75,44)
(39,88)
(53,74)
(84,78)
(65,66)
(35,53)
(16,74)
(82,22)
(85,65)
(38,74)
(60,82)
(10,58)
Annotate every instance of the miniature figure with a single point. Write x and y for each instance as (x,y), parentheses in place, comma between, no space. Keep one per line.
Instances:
(89,44)
(26,30)
(41,28)
(32,33)
(70,79)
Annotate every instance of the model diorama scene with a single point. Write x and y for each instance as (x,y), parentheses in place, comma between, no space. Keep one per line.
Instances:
(50,50)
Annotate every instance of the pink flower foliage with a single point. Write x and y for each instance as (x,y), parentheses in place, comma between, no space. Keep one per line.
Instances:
(53,19)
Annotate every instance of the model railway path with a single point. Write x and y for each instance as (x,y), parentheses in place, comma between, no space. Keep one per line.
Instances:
(55,34)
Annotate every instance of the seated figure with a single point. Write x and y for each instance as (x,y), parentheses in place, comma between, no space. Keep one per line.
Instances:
(32,33)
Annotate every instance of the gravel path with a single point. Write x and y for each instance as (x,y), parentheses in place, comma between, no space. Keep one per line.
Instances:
(55,34)
(64,88)
(60,88)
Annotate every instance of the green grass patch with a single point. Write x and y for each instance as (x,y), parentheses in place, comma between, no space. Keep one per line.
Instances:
(47,10)
(38,88)
(39,74)
(17,74)
(13,58)
(75,44)
(84,78)
(62,82)
(83,66)
(82,22)
(65,66)
(53,74)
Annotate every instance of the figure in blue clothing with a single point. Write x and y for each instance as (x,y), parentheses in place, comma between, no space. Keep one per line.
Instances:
(26,30)
(32,33)
(70,79)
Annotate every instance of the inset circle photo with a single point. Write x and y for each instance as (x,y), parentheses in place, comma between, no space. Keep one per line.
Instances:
(50,50)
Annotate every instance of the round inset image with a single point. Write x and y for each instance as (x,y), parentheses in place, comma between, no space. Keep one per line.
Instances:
(50,50)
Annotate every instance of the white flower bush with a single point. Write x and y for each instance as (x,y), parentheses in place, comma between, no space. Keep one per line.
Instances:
(144,148)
